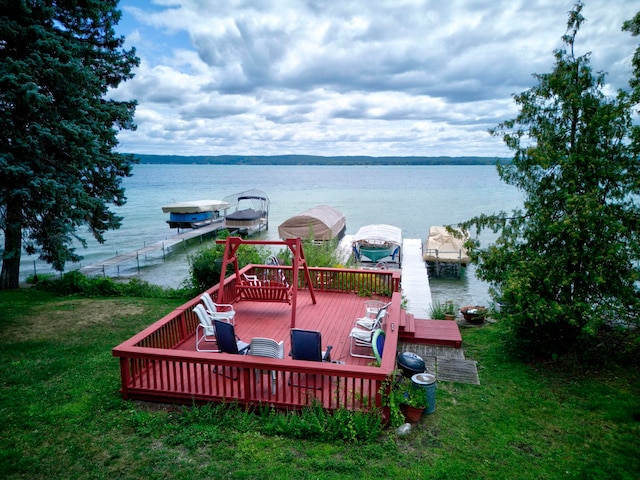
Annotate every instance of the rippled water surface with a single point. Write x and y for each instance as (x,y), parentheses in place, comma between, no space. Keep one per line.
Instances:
(410,197)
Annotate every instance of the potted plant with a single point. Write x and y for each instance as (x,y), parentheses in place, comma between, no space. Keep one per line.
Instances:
(412,400)
(450,310)
(474,313)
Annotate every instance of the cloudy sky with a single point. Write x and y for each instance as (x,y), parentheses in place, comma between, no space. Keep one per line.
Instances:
(341,77)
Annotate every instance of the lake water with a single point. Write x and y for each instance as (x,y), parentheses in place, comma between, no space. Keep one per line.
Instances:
(410,197)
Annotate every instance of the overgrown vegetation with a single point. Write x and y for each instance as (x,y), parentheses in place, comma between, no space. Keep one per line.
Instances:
(62,415)
(75,283)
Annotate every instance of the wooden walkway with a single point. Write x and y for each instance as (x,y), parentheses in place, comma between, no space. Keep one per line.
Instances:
(415,281)
(163,246)
(430,339)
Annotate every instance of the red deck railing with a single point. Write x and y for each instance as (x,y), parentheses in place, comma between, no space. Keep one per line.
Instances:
(154,367)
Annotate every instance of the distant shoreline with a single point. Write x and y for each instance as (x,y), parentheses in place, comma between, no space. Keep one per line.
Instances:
(313,160)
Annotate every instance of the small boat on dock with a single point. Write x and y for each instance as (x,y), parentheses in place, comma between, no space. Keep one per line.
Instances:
(195,214)
(378,242)
(444,252)
(250,211)
(320,223)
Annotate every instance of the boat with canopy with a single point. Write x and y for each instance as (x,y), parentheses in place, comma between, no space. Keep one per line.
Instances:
(445,251)
(320,223)
(378,242)
(250,211)
(195,214)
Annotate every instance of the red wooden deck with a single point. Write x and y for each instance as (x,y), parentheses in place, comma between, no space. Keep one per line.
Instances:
(161,363)
(432,332)
(333,316)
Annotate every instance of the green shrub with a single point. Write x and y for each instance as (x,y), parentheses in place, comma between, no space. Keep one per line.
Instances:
(437,310)
(206,264)
(321,254)
(76,283)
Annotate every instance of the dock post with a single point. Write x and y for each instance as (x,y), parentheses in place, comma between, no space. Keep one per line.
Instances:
(138,261)
(104,273)
(163,252)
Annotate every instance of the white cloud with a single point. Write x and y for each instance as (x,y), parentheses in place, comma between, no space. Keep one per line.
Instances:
(347,78)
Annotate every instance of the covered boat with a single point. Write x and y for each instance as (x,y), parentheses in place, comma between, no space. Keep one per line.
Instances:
(249,211)
(377,242)
(321,223)
(196,213)
(444,251)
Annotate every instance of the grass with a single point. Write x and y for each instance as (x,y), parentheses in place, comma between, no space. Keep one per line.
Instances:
(62,416)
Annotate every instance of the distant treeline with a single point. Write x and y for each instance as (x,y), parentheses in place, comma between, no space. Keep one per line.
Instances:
(314,160)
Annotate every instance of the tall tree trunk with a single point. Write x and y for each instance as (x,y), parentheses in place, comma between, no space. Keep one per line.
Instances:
(10,274)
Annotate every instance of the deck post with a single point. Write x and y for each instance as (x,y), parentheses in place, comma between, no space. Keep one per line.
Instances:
(124,375)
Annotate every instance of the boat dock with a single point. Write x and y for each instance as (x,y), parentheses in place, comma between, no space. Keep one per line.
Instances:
(164,246)
(415,280)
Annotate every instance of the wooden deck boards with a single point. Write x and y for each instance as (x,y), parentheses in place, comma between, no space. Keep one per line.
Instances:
(435,332)
(333,316)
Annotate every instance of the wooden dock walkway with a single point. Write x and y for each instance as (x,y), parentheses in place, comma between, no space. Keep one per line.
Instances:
(164,246)
(430,339)
(415,280)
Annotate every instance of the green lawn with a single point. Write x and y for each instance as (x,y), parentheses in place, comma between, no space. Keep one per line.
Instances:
(62,416)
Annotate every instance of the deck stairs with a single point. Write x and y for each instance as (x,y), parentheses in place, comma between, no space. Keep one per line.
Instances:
(407,326)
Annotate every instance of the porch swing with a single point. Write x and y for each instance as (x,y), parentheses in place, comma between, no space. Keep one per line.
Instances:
(269,289)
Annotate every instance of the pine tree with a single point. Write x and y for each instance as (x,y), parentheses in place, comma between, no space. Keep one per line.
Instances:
(58,61)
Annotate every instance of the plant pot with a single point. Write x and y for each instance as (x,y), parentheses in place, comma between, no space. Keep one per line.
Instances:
(449,316)
(474,314)
(411,414)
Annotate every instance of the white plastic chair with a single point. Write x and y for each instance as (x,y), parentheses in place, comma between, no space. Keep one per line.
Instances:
(205,331)
(361,336)
(361,339)
(218,311)
(376,312)
(266,347)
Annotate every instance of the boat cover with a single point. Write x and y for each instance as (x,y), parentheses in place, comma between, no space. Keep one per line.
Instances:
(246,214)
(323,221)
(442,246)
(196,206)
(378,234)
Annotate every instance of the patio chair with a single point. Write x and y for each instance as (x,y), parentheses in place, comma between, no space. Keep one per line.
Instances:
(205,331)
(266,347)
(366,339)
(307,345)
(228,342)
(375,315)
(220,311)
